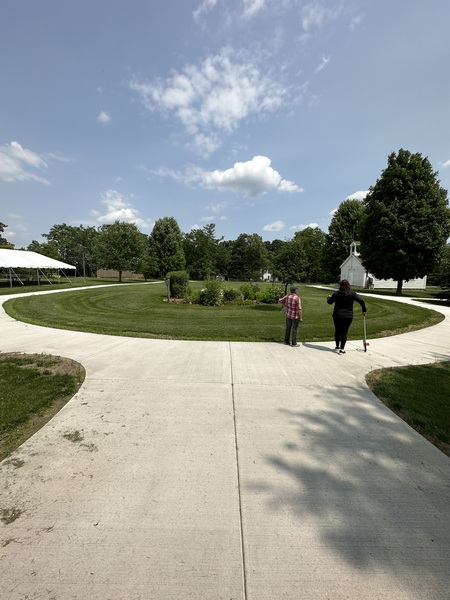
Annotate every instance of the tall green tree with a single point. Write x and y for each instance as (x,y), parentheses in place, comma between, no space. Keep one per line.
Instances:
(75,245)
(312,240)
(407,220)
(45,248)
(120,246)
(166,246)
(290,263)
(3,241)
(248,257)
(345,227)
(200,248)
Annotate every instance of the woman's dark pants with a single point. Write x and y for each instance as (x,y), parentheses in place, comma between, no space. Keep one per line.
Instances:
(341,327)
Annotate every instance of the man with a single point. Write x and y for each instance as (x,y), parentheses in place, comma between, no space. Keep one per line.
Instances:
(293,306)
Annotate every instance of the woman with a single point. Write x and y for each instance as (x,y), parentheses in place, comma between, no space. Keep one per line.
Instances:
(343,312)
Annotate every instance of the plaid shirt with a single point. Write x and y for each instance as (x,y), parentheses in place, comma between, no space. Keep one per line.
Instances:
(293,306)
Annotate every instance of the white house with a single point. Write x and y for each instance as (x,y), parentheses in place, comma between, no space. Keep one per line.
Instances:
(353,270)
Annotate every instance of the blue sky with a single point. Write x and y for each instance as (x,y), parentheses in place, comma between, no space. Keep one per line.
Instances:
(260,116)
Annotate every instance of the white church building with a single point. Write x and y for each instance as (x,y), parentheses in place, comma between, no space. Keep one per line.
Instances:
(353,270)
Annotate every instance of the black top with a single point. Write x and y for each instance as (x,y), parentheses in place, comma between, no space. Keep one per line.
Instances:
(343,303)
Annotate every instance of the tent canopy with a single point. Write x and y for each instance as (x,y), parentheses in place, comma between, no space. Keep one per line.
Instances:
(24,259)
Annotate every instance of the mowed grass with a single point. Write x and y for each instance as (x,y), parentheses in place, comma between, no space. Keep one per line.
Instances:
(139,310)
(33,388)
(420,396)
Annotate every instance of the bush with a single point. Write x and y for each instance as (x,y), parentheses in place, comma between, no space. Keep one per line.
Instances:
(271,294)
(231,295)
(178,283)
(249,291)
(211,294)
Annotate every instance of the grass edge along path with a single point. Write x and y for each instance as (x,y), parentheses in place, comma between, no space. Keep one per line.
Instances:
(34,388)
(419,395)
(141,311)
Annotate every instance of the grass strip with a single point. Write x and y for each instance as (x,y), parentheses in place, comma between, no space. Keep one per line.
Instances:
(33,389)
(141,311)
(419,395)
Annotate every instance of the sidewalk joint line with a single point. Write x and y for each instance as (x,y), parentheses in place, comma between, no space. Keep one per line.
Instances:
(236,449)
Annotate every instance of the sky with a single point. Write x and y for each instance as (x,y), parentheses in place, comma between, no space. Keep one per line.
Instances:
(260,116)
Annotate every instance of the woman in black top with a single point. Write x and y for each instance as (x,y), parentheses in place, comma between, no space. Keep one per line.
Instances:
(343,312)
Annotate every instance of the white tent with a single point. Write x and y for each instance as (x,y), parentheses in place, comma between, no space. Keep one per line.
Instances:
(23,259)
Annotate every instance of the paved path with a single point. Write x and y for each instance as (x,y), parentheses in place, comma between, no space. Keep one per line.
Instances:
(233,471)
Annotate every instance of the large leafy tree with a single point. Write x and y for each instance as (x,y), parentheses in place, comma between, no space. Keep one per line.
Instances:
(200,248)
(49,249)
(248,257)
(290,262)
(312,240)
(344,228)
(166,246)
(407,220)
(3,241)
(74,245)
(120,246)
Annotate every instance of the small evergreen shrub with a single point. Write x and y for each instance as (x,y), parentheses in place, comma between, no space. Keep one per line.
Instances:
(178,283)
(271,294)
(211,294)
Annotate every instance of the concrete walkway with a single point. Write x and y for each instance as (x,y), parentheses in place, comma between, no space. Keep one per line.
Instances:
(232,471)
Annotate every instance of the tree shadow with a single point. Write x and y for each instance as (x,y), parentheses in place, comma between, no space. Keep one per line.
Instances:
(377,491)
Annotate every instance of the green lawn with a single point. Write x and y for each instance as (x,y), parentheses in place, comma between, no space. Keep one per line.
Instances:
(140,311)
(420,396)
(33,388)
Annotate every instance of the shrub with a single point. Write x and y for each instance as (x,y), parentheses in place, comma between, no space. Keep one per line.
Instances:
(178,283)
(231,295)
(249,291)
(211,294)
(271,294)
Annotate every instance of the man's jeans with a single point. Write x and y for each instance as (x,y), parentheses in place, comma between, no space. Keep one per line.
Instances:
(291,325)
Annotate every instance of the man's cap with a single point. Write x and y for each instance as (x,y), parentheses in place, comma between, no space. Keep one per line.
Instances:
(294,288)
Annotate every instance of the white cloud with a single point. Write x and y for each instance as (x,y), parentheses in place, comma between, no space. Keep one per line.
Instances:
(17,164)
(213,98)
(314,15)
(252,7)
(275,226)
(302,227)
(118,209)
(446,164)
(104,117)
(325,60)
(253,177)
(203,8)
(358,195)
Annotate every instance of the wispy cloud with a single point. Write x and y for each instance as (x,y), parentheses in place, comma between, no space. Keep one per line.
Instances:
(323,63)
(358,195)
(446,164)
(252,7)
(275,226)
(21,164)
(302,227)
(119,209)
(203,8)
(104,117)
(212,99)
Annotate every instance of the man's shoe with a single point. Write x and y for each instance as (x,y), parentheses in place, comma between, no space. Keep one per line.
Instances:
(341,351)
(295,345)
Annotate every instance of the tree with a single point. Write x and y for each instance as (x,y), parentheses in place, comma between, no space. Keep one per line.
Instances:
(312,240)
(166,246)
(289,264)
(74,246)
(3,241)
(49,249)
(200,250)
(407,220)
(248,257)
(344,228)
(120,246)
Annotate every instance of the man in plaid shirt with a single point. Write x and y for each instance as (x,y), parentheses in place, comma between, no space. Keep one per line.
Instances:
(293,306)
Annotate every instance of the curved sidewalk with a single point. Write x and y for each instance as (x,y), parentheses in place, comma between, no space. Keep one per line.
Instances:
(232,471)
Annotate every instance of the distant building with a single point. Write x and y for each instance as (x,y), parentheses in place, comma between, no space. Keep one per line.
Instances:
(353,270)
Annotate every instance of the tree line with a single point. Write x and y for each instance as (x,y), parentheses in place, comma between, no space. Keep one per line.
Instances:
(402,224)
